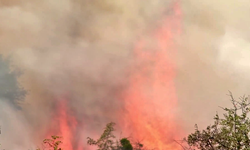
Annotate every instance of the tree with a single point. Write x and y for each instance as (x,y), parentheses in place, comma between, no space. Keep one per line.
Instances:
(126,145)
(138,146)
(107,141)
(53,143)
(230,132)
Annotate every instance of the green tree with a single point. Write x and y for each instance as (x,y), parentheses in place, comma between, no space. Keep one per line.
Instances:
(53,143)
(138,146)
(106,141)
(126,145)
(230,132)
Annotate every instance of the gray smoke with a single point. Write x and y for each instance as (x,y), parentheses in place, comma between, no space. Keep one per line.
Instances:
(83,49)
(213,58)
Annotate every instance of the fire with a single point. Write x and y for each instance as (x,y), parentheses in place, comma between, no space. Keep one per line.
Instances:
(65,125)
(151,98)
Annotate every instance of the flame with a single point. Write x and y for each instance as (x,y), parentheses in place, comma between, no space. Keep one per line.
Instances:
(151,99)
(65,125)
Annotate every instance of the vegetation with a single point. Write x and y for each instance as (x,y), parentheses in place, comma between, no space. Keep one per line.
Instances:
(52,143)
(107,141)
(126,145)
(230,132)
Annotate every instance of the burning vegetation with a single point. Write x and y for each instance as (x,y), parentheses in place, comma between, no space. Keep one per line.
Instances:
(70,67)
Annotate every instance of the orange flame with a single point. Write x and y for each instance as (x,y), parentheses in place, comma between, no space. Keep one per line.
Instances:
(65,126)
(151,98)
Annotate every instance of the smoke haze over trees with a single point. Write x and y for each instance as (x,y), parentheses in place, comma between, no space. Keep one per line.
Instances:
(79,51)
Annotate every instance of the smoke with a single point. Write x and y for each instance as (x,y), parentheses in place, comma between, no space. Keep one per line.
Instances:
(11,119)
(82,50)
(70,48)
(213,58)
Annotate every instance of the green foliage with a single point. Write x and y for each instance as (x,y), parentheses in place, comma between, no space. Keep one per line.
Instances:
(53,143)
(231,132)
(126,145)
(138,146)
(105,142)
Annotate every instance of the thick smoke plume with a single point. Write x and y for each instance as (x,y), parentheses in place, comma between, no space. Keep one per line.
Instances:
(80,50)
(74,49)
(213,57)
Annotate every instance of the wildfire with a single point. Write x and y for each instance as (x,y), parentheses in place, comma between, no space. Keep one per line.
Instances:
(66,126)
(150,100)
(151,97)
